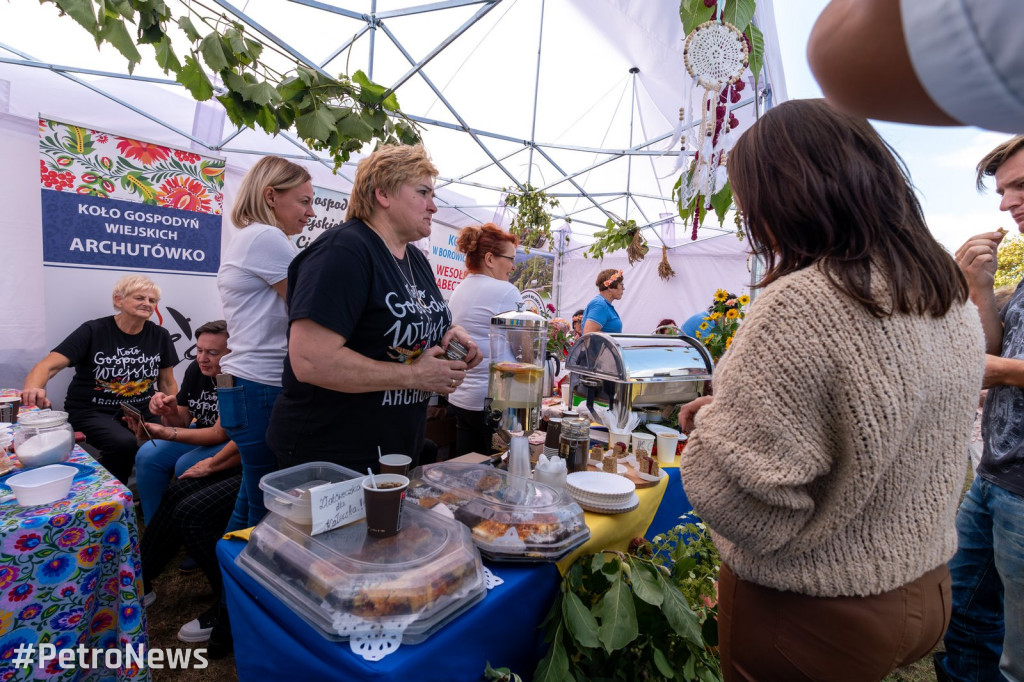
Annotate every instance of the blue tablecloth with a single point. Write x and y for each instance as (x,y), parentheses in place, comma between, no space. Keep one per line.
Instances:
(673,505)
(272,643)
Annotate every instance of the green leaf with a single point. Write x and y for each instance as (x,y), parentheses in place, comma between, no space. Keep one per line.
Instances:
(234,40)
(122,7)
(286,116)
(618,617)
(756,58)
(315,125)
(580,621)
(186,25)
(213,52)
(646,585)
(693,13)
(292,88)
(116,34)
(355,127)
(679,615)
(263,94)
(721,201)
(165,57)
(195,80)
(81,11)
(371,93)
(662,664)
(267,119)
(554,667)
(739,13)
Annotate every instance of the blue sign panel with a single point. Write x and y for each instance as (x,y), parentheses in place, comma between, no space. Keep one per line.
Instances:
(86,230)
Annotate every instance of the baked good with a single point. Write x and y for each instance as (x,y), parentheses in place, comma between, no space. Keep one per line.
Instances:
(646,464)
(610,464)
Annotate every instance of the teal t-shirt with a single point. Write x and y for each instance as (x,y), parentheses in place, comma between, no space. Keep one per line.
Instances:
(602,312)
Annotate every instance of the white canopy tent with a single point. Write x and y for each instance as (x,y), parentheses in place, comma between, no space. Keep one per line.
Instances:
(578,97)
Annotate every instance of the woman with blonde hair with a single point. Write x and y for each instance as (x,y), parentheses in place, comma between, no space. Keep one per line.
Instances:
(369,326)
(122,359)
(484,293)
(274,202)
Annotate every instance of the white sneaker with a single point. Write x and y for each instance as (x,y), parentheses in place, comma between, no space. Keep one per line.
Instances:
(199,630)
(148,599)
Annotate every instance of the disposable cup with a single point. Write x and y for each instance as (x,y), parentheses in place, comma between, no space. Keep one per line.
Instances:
(667,447)
(642,441)
(9,407)
(395,464)
(566,393)
(383,504)
(614,437)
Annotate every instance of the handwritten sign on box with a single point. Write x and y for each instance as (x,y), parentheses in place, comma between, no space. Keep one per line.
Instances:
(336,504)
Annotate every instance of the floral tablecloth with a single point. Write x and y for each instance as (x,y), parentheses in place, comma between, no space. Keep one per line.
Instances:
(70,576)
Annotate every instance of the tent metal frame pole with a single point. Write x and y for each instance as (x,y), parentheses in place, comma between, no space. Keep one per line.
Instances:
(536,91)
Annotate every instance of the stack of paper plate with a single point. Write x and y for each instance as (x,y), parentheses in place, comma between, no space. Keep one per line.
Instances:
(598,491)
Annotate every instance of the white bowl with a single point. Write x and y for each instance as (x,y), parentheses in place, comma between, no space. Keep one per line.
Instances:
(43,485)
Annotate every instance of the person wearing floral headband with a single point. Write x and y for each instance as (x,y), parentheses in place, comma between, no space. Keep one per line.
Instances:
(600,315)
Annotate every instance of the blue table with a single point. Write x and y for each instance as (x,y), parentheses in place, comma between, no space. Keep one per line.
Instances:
(272,643)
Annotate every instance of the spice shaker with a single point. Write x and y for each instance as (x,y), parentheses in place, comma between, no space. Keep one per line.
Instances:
(574,444)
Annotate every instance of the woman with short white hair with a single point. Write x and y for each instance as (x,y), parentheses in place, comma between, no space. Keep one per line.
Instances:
(121,359)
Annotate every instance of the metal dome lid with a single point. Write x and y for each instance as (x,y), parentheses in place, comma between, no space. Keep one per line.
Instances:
(519,319)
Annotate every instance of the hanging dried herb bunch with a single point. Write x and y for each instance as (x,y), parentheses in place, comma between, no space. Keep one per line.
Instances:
(637,248)
(665,270)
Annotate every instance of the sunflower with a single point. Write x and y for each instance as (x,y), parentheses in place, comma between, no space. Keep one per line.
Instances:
(744,300)
(703,325)
(731,314)
(714,316)
(721,295)
(728,342)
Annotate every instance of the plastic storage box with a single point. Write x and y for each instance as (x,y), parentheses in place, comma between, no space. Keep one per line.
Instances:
(347,584)
(286,492)
(510,518)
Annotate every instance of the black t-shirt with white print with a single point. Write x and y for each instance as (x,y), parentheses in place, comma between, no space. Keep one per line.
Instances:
(199,394)
(112,367)
(349,282)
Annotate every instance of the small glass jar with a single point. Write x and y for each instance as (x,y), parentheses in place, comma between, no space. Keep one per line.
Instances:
(43,438)
(574,444)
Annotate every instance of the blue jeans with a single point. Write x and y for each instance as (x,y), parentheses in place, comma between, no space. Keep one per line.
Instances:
(245,414)
(155,465)
(985,640)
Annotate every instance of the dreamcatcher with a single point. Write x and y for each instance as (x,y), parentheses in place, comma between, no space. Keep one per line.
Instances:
(716,55)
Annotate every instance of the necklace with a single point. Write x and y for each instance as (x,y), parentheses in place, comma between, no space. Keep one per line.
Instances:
(414,292)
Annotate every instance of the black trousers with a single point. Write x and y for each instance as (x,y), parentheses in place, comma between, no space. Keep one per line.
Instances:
(193,512)
(111,436)
(472,433)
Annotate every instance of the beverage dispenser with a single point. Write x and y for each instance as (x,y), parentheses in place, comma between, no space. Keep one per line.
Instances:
(515,382)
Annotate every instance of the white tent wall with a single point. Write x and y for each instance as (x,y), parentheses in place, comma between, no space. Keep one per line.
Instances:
(700,267)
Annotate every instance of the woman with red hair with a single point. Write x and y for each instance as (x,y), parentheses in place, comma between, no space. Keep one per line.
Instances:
(484,293)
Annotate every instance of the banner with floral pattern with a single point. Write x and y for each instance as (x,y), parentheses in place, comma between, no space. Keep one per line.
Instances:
(113,201)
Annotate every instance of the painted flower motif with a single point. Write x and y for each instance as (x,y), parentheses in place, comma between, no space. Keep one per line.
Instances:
(67,591)
(61,520)
(28,542)
(71,537)
(67,620)
(186,157)
(6,620)
(89,584)
(88,556)
(104,620)
(102,514)
(8,574)
(14,640)
(145,152)
(107,556)
(30,611)
(21,592)
(56,570)
(102,139)
(127,578)
(184,193)
(130,615)
(110,586)
(114,537)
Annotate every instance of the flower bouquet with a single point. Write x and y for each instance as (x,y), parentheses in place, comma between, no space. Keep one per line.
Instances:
(721,322)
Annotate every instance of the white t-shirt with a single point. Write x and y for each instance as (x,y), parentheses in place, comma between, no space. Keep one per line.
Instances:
(474,302)
(255,260)
(969,56)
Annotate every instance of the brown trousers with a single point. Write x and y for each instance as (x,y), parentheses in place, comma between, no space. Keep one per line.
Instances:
(766,634)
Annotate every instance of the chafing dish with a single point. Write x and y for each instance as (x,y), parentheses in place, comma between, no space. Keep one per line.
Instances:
(628,372)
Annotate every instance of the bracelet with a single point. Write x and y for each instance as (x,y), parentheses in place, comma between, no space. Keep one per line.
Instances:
(174,436)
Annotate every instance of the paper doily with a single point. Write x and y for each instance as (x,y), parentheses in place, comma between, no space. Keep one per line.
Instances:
(372,641)
(491,580)
(715,54)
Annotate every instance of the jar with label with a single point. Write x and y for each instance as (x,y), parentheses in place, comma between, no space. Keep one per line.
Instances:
(574,444)
(44,437)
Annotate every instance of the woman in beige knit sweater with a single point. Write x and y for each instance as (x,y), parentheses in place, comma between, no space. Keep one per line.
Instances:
(829,463)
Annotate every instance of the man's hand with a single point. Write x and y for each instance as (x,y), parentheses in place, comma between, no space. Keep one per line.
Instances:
(163,405)
(978,260)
